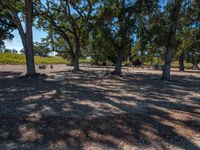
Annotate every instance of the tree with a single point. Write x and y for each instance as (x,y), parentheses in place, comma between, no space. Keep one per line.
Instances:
(193,48)
(188,30)
(99,47)
(152,41)
(7,50)
(26,35)
(2,46)
(120,22)
(150,36)
(68,19)
(170,46)
(6,27)
(41,49)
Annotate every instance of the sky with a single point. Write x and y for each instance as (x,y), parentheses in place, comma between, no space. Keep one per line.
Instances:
(16,43)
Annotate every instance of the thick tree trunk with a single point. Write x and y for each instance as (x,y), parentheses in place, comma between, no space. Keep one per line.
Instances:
(118,65)
(171,40)
(76,53)
(26,37)
(71,58)
(30,64)
(181,62)
(76,63)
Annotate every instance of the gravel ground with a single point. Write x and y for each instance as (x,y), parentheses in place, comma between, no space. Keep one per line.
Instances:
(92,110)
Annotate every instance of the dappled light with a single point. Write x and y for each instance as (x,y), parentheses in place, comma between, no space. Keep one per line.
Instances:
(95,110)
(100,75)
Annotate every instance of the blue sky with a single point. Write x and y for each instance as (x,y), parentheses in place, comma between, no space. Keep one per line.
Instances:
(16,42)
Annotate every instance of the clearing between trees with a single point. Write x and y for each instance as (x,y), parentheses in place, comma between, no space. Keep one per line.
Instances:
(92,109)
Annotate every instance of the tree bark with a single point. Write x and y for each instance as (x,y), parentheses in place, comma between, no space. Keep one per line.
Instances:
(75,54)
(26,37)
(71,58)
(28,44)
(118,65)
(76,63)
(171,40)
(181,62)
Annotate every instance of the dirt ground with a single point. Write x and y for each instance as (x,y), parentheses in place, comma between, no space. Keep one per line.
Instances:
(92,110)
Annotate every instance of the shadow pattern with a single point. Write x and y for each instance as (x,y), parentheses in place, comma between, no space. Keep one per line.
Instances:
(94,110)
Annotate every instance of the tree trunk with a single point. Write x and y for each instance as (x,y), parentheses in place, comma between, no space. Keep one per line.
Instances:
(26,37)
(171,40)
(71,58)
(76,63)
(195,66)
(30,64)
(76,53)
(96,60)
(118,65)
(181,62)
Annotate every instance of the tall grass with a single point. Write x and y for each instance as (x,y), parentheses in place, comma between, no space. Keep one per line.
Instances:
(18,59)
(175,64)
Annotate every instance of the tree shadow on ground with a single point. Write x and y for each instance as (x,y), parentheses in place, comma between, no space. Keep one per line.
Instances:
(93,110)
(9,74)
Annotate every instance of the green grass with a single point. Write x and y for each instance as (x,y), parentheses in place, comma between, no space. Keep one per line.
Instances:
(18,59)
(85,61)
(175,64)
